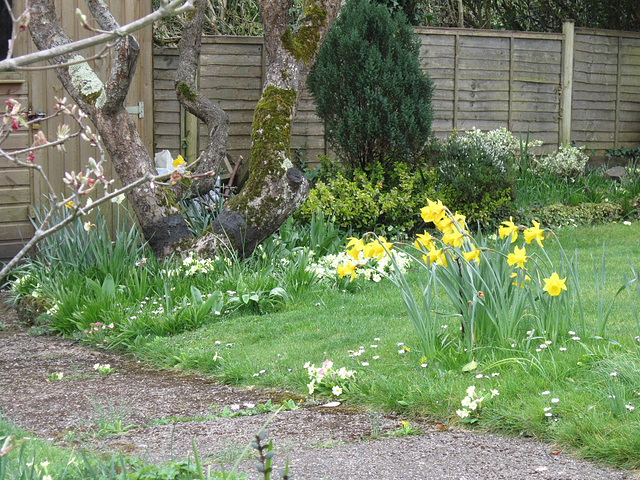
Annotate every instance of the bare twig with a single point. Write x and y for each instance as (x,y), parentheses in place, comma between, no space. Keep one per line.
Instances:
(172,7)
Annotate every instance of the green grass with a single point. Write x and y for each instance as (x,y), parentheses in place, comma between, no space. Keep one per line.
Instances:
(593,384)
(329,323)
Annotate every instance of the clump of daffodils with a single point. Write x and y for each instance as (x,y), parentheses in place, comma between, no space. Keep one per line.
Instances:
(457,245)
(326,380)
(370,260)
(472,403)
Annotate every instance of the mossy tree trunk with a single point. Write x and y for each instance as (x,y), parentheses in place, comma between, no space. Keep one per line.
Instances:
(103,102)
(275,188)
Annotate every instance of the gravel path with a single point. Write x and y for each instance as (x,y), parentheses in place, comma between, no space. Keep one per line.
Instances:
(162,411)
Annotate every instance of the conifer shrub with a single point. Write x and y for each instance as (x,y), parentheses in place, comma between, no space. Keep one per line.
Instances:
(369,88)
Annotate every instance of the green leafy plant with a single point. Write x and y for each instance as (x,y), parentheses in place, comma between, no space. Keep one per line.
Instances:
(568,162)
(476,174)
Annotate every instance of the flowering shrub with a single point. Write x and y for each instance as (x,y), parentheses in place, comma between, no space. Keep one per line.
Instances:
(476,173)
(567,162)
(328,381)
(497,143)
(472,403)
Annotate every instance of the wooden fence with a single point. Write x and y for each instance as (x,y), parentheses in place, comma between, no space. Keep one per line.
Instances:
(581,86)
(21,192)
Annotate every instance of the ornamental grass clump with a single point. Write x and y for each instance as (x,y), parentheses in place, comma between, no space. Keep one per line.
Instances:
(497,292)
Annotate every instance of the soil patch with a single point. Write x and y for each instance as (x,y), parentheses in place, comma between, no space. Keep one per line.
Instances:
(155,415)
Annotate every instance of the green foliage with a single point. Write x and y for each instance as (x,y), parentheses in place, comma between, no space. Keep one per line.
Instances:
(631,154)
(476,175)
(525,15)
(567,162)
(559,215)
(365,203)
(369,88)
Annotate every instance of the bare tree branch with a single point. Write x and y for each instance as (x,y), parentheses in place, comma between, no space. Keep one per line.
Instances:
(197,104)
(170,8)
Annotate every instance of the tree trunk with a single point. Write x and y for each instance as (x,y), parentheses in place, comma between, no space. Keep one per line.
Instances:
(275,188)
(217,121)
(104,104)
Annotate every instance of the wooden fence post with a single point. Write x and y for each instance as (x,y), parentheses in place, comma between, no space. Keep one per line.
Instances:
(567,81)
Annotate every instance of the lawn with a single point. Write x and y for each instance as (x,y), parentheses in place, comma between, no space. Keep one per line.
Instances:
(268,322)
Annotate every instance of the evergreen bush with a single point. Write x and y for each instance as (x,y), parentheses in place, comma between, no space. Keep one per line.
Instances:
(369,88)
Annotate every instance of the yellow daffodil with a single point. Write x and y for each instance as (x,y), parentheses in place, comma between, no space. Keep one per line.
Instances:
(518,257)
(453,238)
(554,285)
(433,212)
(354,247)
(445,224)
(70,204)
(178,161)
(508,228)
(474,254)
(348,269)
(534,232)
(424,241)
(376,248)
(432,256)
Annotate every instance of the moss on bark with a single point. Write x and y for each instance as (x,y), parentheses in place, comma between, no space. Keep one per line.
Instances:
(270,155)
(303,43)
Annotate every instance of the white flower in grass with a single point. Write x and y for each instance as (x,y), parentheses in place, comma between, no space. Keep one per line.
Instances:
(575,339)
(571,332)
(365,364)
(562,349)
(376,357)
(337,391)
(546,392)
(464,413)
(627,223)
(614,374)
(479,375)
(471,390)
(630,407)
(555,400)
(494,393)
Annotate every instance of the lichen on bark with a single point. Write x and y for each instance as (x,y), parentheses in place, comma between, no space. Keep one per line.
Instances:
(87,83)
(303,43)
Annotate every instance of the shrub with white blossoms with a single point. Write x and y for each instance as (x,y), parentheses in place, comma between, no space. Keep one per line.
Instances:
(495,143)
(472,403)
(567,162)
(326,380)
